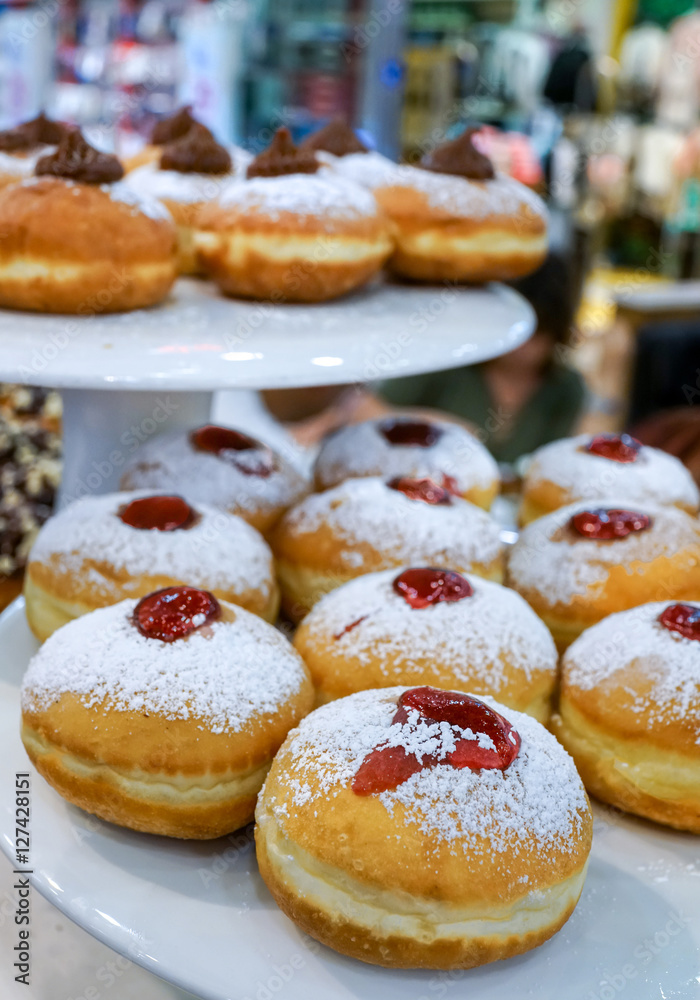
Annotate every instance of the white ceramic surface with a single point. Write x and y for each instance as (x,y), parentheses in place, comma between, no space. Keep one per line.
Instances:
(198,915)
(199,341)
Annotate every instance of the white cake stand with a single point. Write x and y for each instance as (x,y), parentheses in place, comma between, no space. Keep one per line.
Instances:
(161,365)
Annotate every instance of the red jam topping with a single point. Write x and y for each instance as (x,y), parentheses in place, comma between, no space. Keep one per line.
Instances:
(174,612)
(617,447)
(605,525)
(350,627)
(421,489)
(387,767)
(424,586)
(416,433)
(682,618)
(167,513)
(223,441)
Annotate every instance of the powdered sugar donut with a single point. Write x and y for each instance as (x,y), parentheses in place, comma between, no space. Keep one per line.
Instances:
(190,172)
(456,219)
(163,715)
(584,468)
(588,560)
(220,467)
(629,711)
(364,525)
(412,827)
(50,258)
(403,445)
(288,234)
(100,550)
(429,626)
(338,148)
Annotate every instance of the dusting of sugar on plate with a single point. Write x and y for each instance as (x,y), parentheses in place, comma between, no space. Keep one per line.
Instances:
(225,674)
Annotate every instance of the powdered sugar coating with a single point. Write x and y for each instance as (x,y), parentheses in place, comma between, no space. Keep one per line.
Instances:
(654,476)
(539,798)
(669,662)
(560,569)
(22,165)
(301,194)
(224,674)
(368,169)
(219,552)
(362,450)
(139,201)
(170,464)
(455,196)
(468,636)
(172,185)
(368,511)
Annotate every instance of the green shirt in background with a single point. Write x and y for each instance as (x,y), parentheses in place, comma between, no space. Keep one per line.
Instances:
(551,412)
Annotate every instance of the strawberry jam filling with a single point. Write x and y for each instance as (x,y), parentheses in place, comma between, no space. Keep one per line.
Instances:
(350,627)
(421,489)
(604,525)
(478,738)
(420,587)
(617,447)
(418,433)
(232,446)
(174,612)
(166,513)
(682,618)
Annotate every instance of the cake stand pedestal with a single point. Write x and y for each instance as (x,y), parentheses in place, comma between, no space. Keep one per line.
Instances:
(128,376)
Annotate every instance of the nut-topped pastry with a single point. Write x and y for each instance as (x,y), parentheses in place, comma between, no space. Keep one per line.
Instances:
(422,828)
(103,549)
(426,625)
(586,468)
(289,234)
(163,715)
(629,711)
(50,259)
(368,524)
(190,172)
(588,560)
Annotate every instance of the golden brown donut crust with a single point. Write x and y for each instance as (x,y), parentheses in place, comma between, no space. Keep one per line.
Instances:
(434,244)
(103,760)
(289,257)
(85,251)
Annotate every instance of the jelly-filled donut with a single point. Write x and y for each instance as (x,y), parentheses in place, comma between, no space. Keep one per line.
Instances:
(629,711)
(100,550)
(415,827)
(404,445)
(587,468)
(369,524)
(163,715)
(220,467)
(588,560)
(429,626)
(76,239)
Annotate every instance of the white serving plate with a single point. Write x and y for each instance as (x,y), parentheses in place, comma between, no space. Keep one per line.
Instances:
(199,916)
(199,341)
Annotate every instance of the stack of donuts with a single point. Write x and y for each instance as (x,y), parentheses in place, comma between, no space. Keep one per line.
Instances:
(417,758)
(302,223)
